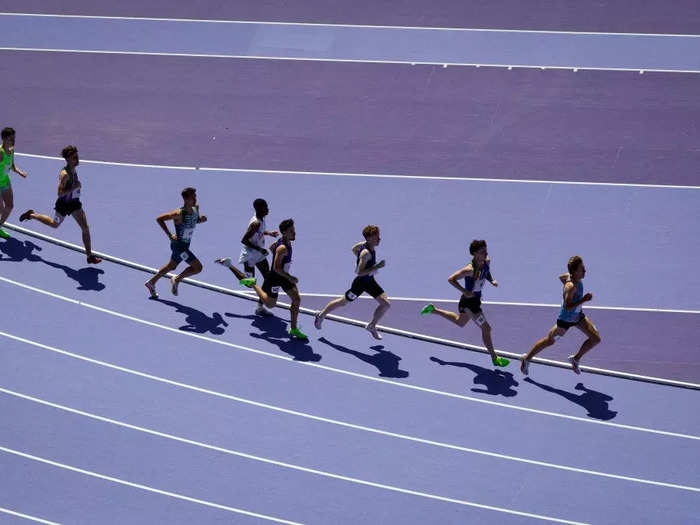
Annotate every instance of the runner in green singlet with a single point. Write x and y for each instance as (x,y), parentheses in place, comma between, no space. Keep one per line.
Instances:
(7,164)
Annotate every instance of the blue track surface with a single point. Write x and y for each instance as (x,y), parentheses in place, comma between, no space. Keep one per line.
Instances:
(191,409)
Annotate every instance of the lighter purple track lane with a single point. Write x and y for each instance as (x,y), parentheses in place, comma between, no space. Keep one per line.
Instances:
(358,118)
(655,16)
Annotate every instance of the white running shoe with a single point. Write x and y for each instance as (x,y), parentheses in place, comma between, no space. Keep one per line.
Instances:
(373,330)
(525,366)
(318,320)
(173,285)
(152,290)
(262,311)
(225,261)
(574,364)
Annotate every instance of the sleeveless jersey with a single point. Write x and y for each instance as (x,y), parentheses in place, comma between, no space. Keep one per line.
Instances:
(258,238)
(185,229)
(371,262)
(574,314)
(476,282)
(287,259)
(5,165)
(75,194)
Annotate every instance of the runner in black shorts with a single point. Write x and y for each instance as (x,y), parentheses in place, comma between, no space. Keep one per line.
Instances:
(475,274)
(185,220)
(279,277)
(365,268)
(571,314)
(68,202)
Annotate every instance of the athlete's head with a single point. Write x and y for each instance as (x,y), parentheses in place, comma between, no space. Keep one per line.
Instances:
(371,234)
(287,229)
(477,248)
(576,268)
(70,153)
(189,195)
(8,137)
(260,207)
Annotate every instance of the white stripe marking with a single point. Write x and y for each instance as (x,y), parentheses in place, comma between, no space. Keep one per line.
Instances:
(27,516)
(339,60)
(369,175)
(295,467)
(347,425)
(143,487)
(306,363)
(363,26)
(355,322)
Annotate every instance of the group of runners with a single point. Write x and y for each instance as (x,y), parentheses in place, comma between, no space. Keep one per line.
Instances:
(276,275)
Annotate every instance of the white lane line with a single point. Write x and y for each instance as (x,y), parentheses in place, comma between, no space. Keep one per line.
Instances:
(323,367)
(343,60)
(502,303)
(143,487)
(290,466)
(355,322)
(371,175)
(27,516)
(359,26)
(352,426)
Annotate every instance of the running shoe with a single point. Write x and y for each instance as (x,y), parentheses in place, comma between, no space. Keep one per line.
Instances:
(427,309)
(173,285)
(295,333)
(152,290)
(525,366)
(93,259)
(248,282)
(574,364)
(318,320)
(224,261)
(262,311)
(25,216)
(4,234)
(373,330)
(501,361)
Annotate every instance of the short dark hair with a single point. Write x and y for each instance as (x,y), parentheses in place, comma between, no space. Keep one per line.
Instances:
(7,132)
(574,263)
(68,151)
(476,245)
(259,203)
(188,192)
(370,230)
(286,224)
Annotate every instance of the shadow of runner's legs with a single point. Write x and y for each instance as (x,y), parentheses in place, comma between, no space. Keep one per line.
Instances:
(497,382)
(596,403)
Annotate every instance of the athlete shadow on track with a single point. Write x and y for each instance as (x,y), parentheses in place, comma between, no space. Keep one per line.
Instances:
(274,330)
(386,362)
(197,322)
(87,278)
(497,382)
(595,402)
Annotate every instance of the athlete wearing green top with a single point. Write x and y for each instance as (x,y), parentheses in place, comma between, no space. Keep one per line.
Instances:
(7,164)
(185,219)
(68,202)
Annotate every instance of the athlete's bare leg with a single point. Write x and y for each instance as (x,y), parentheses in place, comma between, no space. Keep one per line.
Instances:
(8,200)
(588,328)
(554,333)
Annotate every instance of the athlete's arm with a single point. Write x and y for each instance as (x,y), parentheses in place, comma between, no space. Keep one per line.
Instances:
(169,216)
(17,170)
(248,234)
(62,180)
(273,233)
(489,277)
(564,277)
(356,248)
(362,268)
(460,274)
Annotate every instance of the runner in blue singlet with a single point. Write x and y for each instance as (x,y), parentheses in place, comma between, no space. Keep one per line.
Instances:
(571,314)
(185,219)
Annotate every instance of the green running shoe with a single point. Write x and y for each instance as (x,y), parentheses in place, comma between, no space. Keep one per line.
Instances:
(248,281)
(501,361)
(297,334)
(428,308)
(4,234)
